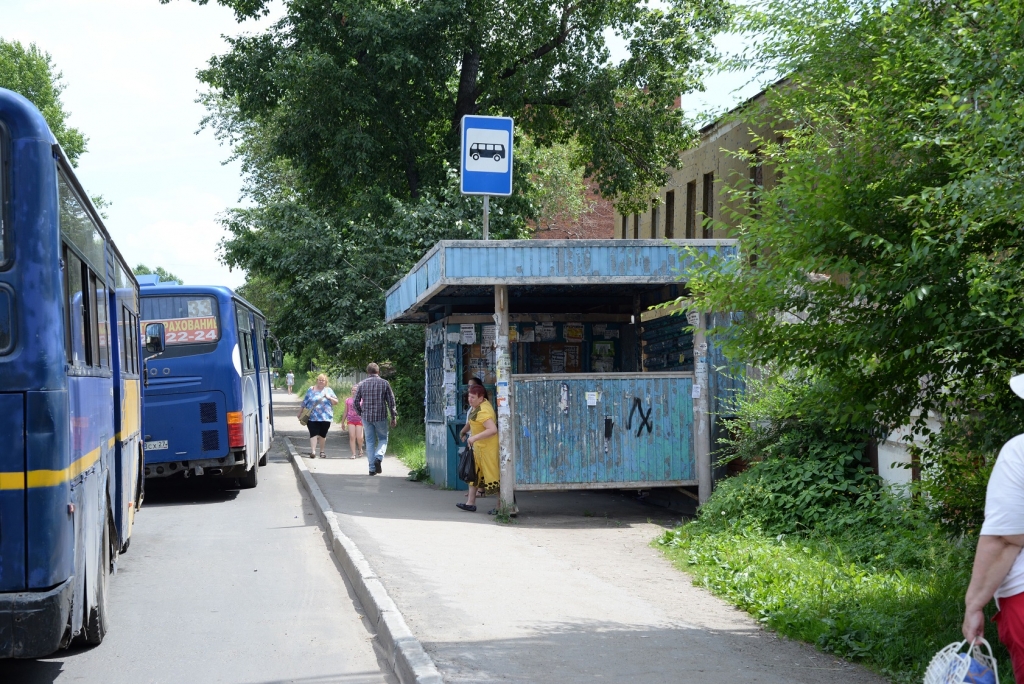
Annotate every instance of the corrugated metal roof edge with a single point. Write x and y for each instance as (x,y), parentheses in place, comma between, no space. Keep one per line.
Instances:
(537,244)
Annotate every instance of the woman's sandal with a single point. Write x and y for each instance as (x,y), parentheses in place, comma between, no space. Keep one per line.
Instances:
(466,507)
(312,454)
(323,454)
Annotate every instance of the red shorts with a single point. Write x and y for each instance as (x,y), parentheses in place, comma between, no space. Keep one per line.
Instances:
(1010,620)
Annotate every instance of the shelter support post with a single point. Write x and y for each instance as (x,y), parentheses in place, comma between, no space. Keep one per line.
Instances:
(503,364)
(701,402)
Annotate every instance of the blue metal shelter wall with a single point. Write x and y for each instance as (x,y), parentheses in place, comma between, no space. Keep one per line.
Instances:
(725,377)
(560,440)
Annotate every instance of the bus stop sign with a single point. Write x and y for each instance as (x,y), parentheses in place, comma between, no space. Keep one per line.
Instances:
(486,155)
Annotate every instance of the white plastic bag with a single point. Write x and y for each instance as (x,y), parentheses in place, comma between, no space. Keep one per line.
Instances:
(950,666)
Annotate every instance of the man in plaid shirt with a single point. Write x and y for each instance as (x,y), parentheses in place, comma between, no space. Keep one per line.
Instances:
(374,398)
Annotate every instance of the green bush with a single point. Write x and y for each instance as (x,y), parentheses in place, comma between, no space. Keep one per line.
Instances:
(813,545)
(845,594)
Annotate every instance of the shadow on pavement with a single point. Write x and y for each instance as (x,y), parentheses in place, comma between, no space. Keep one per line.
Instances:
(397,498)
(30,671)
(178,491)
(611,652)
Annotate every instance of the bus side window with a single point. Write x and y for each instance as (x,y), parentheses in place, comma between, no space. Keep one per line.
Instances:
(122,341)
(92,326)
(261,343)
(102,326)
(132,324)
(75,305)
(244,338)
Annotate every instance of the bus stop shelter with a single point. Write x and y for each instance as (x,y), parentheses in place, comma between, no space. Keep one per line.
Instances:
(593,388)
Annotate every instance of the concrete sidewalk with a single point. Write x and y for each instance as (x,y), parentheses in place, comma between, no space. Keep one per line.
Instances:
(572,592)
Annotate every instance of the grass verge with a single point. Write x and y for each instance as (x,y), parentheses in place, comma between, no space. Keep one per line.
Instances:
(888,603)
(408,442)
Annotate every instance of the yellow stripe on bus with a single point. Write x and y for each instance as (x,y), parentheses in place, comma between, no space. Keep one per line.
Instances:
(49,478)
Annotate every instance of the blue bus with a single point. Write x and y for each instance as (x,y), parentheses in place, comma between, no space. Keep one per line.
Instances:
(71,455)
(208,404)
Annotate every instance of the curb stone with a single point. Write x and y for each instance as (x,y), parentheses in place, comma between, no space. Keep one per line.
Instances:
(403,651)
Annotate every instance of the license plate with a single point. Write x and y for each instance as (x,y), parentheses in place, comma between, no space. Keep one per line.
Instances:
(156,445)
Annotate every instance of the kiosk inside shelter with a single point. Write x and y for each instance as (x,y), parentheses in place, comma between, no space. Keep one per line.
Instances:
(602,390)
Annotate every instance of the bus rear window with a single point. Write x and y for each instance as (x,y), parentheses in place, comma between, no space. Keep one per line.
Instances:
(187,319)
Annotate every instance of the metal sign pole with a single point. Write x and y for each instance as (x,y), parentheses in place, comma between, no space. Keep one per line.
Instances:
(487,212)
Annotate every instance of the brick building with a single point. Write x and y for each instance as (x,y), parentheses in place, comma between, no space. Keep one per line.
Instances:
(598,223)
(698,188)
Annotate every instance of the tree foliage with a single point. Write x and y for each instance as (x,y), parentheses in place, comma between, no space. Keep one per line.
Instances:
(369,95)
(889,257)
(30,72)
(165,276)
(345,117)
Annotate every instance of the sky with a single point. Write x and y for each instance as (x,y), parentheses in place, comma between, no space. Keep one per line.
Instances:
(129,71)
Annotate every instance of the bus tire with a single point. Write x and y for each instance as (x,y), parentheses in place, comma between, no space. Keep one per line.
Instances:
(95,627)
(251,477)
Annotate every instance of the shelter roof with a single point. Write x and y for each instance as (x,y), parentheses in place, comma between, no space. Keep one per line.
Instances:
(544,276)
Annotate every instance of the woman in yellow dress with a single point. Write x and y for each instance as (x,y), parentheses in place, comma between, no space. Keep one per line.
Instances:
(483,438)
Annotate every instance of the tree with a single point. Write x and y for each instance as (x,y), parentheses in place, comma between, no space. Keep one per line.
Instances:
(558,183)
(370,95)
(346,119)
(889,260)
(30,72)
(165,276)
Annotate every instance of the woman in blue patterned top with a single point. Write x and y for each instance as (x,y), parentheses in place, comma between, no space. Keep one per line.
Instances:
(320,400)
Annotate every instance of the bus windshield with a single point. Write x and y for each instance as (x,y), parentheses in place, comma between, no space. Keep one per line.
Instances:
(191,322)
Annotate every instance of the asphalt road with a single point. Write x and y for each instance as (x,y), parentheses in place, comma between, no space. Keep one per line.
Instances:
(224,586)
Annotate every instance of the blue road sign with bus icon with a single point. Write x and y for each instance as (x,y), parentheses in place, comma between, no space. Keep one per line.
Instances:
(486,155)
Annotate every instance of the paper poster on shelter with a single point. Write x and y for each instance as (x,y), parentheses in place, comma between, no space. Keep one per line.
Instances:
(573,332)
(546,332)
(487,335)
(468,333)
(526,335)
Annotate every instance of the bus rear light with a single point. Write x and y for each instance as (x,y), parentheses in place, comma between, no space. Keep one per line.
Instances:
(236,433)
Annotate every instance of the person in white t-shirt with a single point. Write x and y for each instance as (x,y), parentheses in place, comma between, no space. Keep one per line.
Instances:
(998,563)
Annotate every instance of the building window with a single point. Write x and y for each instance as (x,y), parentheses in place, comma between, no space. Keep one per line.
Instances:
(756,183)
(670,211)
(623,226)
(636,226)
(691,210)
(654,218)
(708,205)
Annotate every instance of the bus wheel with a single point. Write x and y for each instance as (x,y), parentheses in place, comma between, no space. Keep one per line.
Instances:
(251,478)
(95,627)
